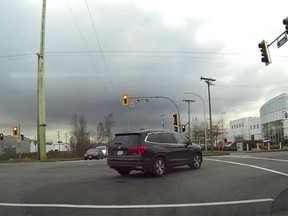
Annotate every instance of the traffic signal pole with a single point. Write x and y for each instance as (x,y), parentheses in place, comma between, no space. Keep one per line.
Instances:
(163,97)
(284,33)
(41,116)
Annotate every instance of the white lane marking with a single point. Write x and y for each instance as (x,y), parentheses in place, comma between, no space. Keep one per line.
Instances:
(249,165)
(137,206)
(256,158)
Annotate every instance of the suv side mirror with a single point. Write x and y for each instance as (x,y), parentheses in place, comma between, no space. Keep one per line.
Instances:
(189,142)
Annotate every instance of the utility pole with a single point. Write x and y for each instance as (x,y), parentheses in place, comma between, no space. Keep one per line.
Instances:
(209,82)
(41,116)
(189,121)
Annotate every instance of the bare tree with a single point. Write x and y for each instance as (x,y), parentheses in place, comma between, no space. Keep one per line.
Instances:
(104,129)
(80,137)
(198,132)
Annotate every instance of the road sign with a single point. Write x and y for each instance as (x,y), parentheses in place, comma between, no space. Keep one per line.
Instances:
(282,41)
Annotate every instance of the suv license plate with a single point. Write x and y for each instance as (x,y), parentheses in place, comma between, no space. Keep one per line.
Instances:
(119,152)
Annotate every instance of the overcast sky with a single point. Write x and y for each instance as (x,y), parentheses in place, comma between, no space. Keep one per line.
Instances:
(97,50)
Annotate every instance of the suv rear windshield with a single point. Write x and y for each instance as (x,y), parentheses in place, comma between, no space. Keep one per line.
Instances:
(127,139)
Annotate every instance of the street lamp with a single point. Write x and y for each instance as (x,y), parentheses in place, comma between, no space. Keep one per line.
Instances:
(162,121)
(205,122)
(189,125)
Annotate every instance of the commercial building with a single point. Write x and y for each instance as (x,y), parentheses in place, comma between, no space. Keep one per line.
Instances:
(245,129)
(273,116)
(272,123)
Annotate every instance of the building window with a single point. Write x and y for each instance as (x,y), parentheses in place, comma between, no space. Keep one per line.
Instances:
(242,124)
(257,126)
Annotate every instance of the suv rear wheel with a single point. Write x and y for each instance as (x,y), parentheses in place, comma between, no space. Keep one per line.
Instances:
(159,167)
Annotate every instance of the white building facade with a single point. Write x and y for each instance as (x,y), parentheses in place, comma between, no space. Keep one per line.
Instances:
(245,129)
(272,123)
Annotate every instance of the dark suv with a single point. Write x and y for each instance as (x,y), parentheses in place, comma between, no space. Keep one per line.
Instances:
(152,151)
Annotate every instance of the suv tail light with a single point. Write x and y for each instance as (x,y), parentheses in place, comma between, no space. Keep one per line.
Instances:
(110,150)
(140,150)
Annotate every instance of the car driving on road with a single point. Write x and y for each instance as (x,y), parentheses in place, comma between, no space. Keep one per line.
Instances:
(93,154)
(153,151)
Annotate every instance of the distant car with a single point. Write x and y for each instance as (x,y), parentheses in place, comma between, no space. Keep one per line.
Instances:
(153,151)
(93,154)
(103,149)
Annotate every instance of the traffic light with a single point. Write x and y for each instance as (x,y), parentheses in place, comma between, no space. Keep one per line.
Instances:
(264,52)
(285,22)
(175,122)
(15,130)
(175,117)
(183,128)
(1,136)
(125,100)
(22,137)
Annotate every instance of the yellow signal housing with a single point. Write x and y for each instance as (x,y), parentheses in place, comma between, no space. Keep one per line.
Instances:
(125,100)
(15,130)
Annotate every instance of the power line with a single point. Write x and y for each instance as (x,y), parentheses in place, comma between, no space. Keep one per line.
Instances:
(89,53)
(138,54)
(101,50)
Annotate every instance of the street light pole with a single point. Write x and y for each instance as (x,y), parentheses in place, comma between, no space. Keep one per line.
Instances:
(205,120)
(189,121)
(162,121)
(209,82)
(162,97)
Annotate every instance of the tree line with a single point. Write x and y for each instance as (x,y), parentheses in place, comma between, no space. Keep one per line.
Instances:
(80,137)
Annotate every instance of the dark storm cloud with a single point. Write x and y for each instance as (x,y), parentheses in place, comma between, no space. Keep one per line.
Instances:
(88,66)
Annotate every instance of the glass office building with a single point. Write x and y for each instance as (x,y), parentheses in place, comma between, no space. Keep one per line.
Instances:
(274,118)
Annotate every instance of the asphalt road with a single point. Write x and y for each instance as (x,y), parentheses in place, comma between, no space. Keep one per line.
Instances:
(239,184)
